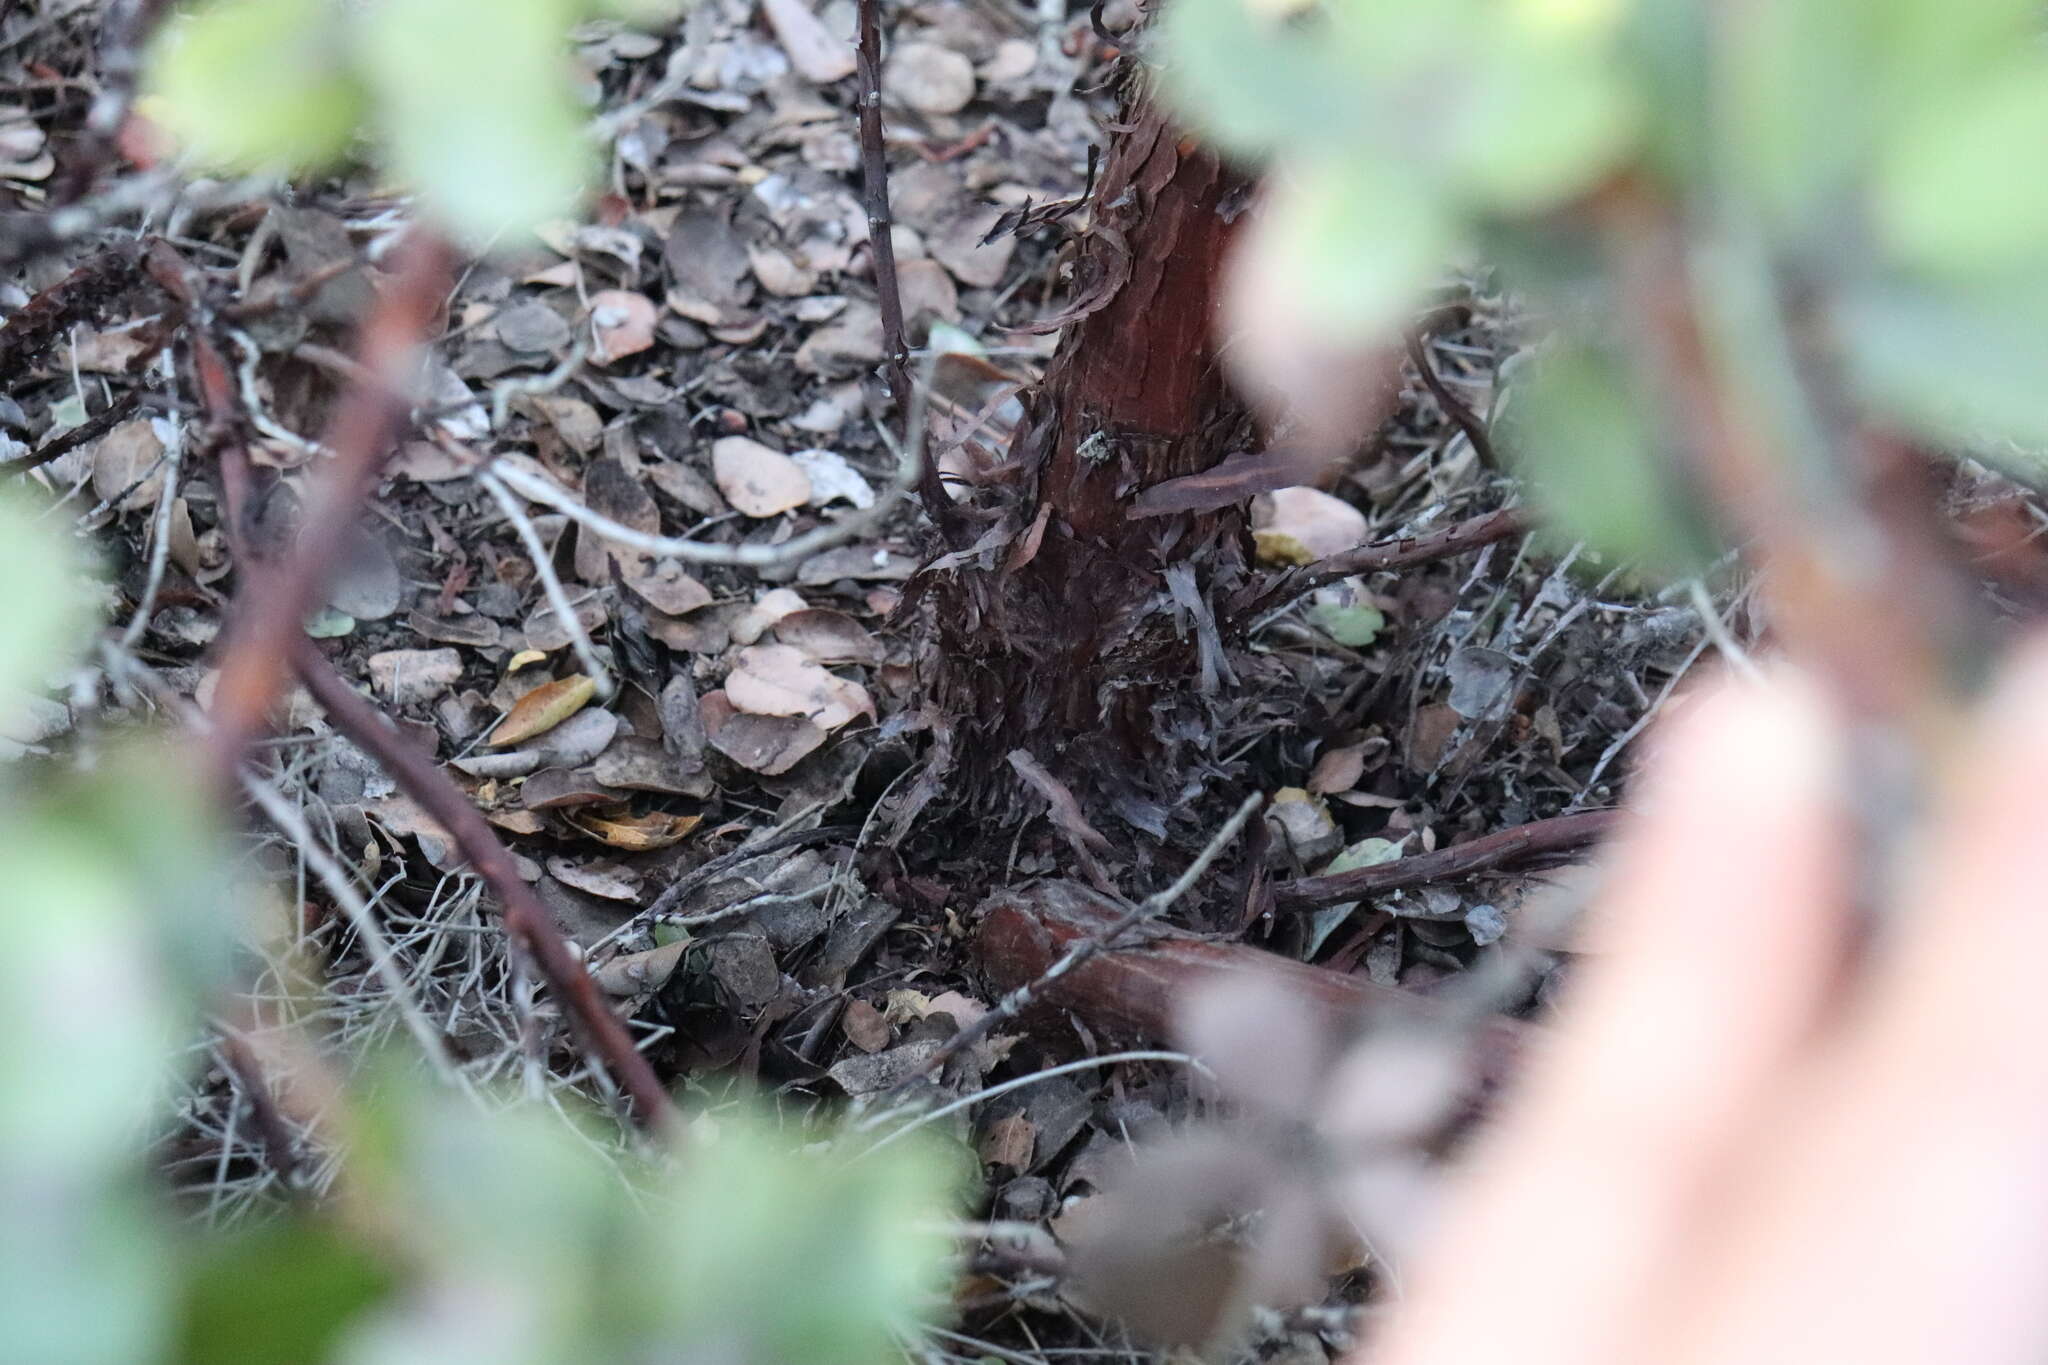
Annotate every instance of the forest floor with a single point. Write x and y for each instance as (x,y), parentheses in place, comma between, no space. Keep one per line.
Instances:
(697,359)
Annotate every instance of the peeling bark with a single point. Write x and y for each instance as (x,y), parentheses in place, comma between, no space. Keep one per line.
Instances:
(1072,629)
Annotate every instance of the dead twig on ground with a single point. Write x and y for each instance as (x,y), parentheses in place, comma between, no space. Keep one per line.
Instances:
(1561,834)
(526,919)
(1403,553)
(91,429)
(1024,996)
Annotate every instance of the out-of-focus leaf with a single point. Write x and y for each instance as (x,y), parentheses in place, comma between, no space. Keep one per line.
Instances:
(46,612)
(84,1000)
(1348,249)
(257,84)
(1959,365)
(480,115)
(1951,198)
(278,1295)
(86,1276)
(750,1215)
(1810,90)
(1584,442)
(80,976)
(1525,104)
(515,1218)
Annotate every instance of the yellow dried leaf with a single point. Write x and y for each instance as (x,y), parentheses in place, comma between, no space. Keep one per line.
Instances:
(542,709)
(525,658)
(639,833)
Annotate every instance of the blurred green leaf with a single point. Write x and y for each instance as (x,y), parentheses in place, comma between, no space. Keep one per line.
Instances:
(748,1216)
(1586,445)
(1508,107)
(81,976)
(86,1276)
(257,84)
(1961,365)
(48,606)
(1351,251)
(479,112)
(276,1295)
(83,1275)
(1956,194)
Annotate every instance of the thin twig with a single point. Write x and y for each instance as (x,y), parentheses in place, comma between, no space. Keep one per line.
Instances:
(550,582)
(752,556)
(274,605)
(1403,553)
(160,529)
(370,934)
(1560,834)
(1018,1083)
(526,919)
(874,184)
(1154,905)
(1453,407)
(91,429)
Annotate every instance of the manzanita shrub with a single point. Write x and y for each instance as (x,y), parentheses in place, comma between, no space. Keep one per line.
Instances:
(470,102)
(462,1227)
(1850,176)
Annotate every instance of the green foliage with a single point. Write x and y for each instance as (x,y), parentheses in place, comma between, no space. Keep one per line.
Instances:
(1877,153)
(471,100)
(462,1228)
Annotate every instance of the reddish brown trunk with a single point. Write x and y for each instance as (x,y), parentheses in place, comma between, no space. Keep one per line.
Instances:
(1087,637)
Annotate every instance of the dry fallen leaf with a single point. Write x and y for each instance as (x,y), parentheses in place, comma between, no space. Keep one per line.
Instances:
(543,709)
(865,1026)
(778,680)
(1338,770)
(638,833)
(1009,1142)
(757,481)
(829,637)
(633,973)
(621,324)
(769,745)
(817,56)
(129,457)
(414,675)
(1301,525)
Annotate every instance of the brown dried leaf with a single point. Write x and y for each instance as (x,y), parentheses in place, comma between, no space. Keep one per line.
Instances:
(669,590)
(621,324)
(769,745)
(543,709)
(1338,770)
(638,833)
(1009,1142)
(757,481)
(639,973)
(562,788)
(865,1026)
(122,458)
(778,680)
(829,637)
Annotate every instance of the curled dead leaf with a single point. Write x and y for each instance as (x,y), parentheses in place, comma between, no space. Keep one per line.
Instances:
(637,833)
